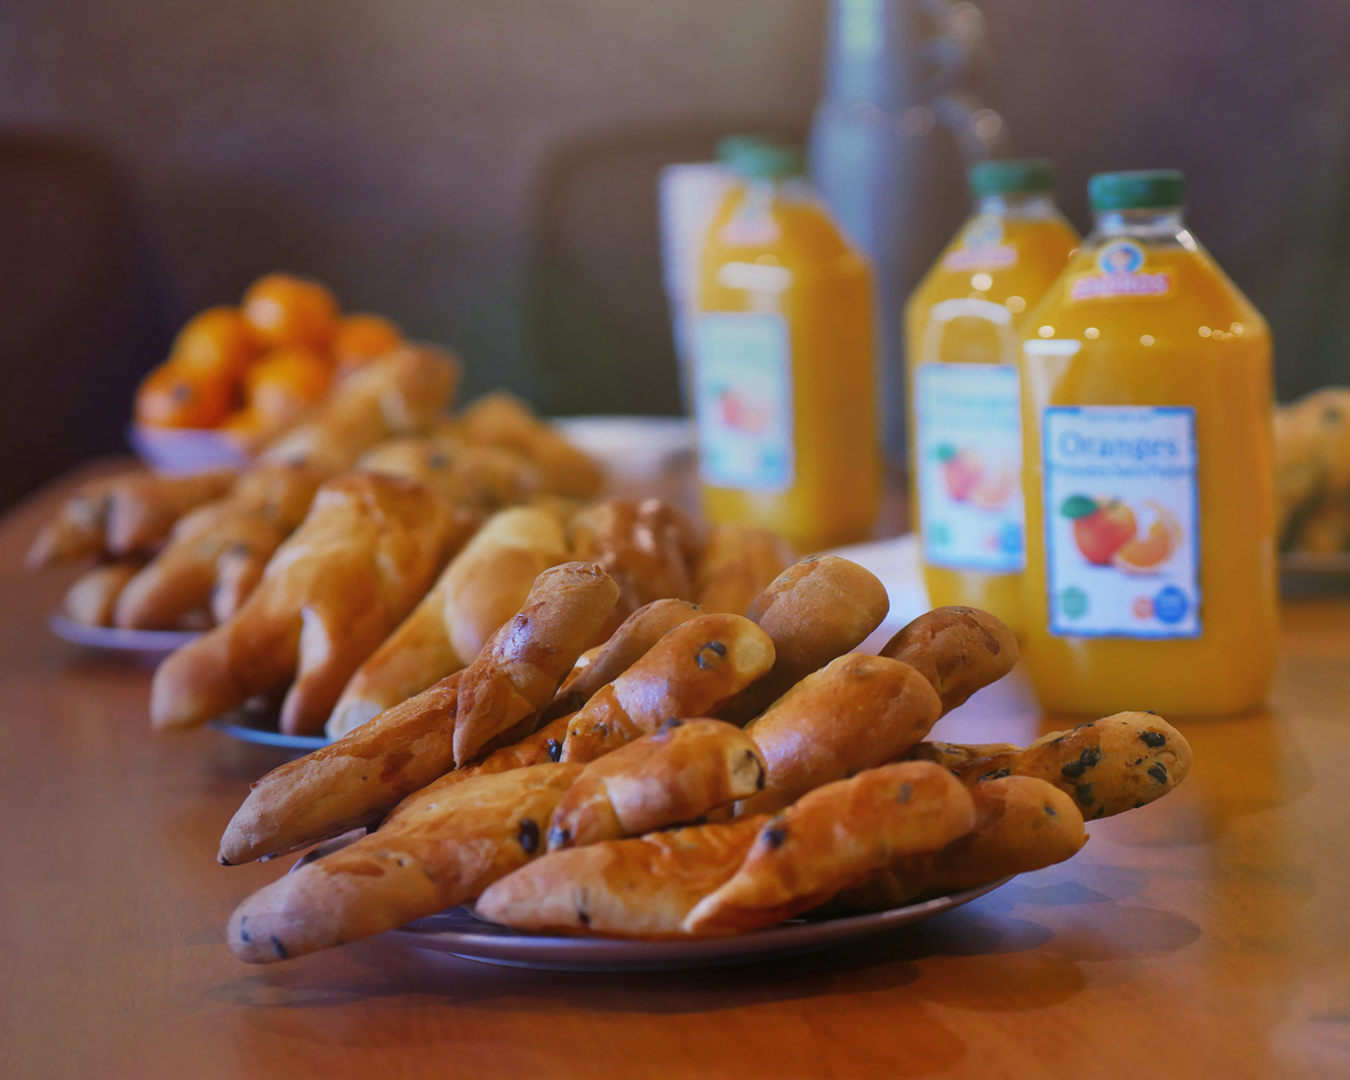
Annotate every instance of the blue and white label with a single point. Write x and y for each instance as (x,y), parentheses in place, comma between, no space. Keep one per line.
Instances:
(968,442)
(1122,521)
(743,401)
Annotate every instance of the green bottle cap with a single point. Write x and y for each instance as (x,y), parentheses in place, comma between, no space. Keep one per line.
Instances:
(760,157)
(1012,177)
(1144,189)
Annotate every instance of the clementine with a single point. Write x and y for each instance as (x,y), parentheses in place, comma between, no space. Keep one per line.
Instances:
(285,382)
(284,310)
(214,342)
(361,338)
(174,396)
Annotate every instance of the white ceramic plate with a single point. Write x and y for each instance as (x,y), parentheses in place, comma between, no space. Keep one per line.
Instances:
(151,645)
(247,728)
(461,933)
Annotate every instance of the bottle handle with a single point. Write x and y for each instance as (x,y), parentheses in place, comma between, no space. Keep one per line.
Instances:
(944,312)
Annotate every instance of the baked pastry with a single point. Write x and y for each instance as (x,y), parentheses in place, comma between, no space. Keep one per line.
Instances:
(645,546)
(628,644)
(484,585)
(145,507)
(639,888)
(398,393)
(1111,765)
(439,853)
(502,419)
(831,838)
(347,783)
(1021,824)
(692,671)
(93,597)
(816,610)
(737,563)
(368,549)
(224,544)
(483,477)
(856,713)
(678,773)
(521,666)
(127,514)
(957,649)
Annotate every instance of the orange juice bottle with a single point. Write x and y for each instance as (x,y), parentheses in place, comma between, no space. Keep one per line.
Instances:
(783,359)
(961,328)
(1146,394)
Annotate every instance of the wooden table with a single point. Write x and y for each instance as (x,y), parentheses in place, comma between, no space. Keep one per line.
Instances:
(1207,935)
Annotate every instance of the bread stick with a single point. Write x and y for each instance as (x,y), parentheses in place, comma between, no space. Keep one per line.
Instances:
(399,393)
(1111,765)
(628,644)
(235,535)
(832,837)
(816,610)
(676,774)
(444,854)
(952,755)
(93,597)
(484,585)
(958,649)
(691,671)
(521,666)
(1021,824)
(502,419)
(367,550)
(145,507)
(482,477)
(77,530)
(737,563)
(645,546)
(856,713)
(350,782)
(640,888)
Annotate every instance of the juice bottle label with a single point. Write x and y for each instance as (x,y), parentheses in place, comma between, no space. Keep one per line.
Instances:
(981,247)
(969,446)
(743,401)
(1122,527)
(1122,274)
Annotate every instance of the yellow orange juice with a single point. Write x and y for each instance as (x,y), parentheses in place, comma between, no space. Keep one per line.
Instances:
(783,362)
(961,327)
(1151,577)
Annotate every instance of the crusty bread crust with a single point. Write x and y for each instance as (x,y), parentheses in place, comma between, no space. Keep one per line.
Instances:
(736,564)
(958,649)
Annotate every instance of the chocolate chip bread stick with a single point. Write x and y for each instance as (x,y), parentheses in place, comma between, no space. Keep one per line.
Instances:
(692,671)
(957,649)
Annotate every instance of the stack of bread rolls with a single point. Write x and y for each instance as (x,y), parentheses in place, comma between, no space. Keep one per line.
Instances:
(681,773)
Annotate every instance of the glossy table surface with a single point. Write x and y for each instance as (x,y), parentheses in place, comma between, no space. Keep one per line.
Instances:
(1207,935)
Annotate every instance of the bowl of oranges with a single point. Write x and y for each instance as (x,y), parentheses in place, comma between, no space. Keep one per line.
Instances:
(238,376)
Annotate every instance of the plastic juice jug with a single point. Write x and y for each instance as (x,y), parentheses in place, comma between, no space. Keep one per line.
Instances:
(1146,394)
(961,328)
(784,359)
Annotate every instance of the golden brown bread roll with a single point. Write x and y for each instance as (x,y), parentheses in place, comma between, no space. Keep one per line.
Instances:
(676,774)
(399,393)
(628,644)
(482,477)
(645,546)
(1111,765)
(691,671)
(958,649)
(348,783)
(231,538)
(502,419)
(93,597)
(484,585)
(1021,824)
(952,755)
(145,506)
(368,549)
(76,532)
(521,666)
(440,853)
(640,888)
(816,610)
(737,563)
(856,713)
(829,839)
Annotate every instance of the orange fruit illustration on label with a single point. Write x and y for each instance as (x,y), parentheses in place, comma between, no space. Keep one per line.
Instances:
(961,471)
(1101,527)
(992,492)
(1145,554)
